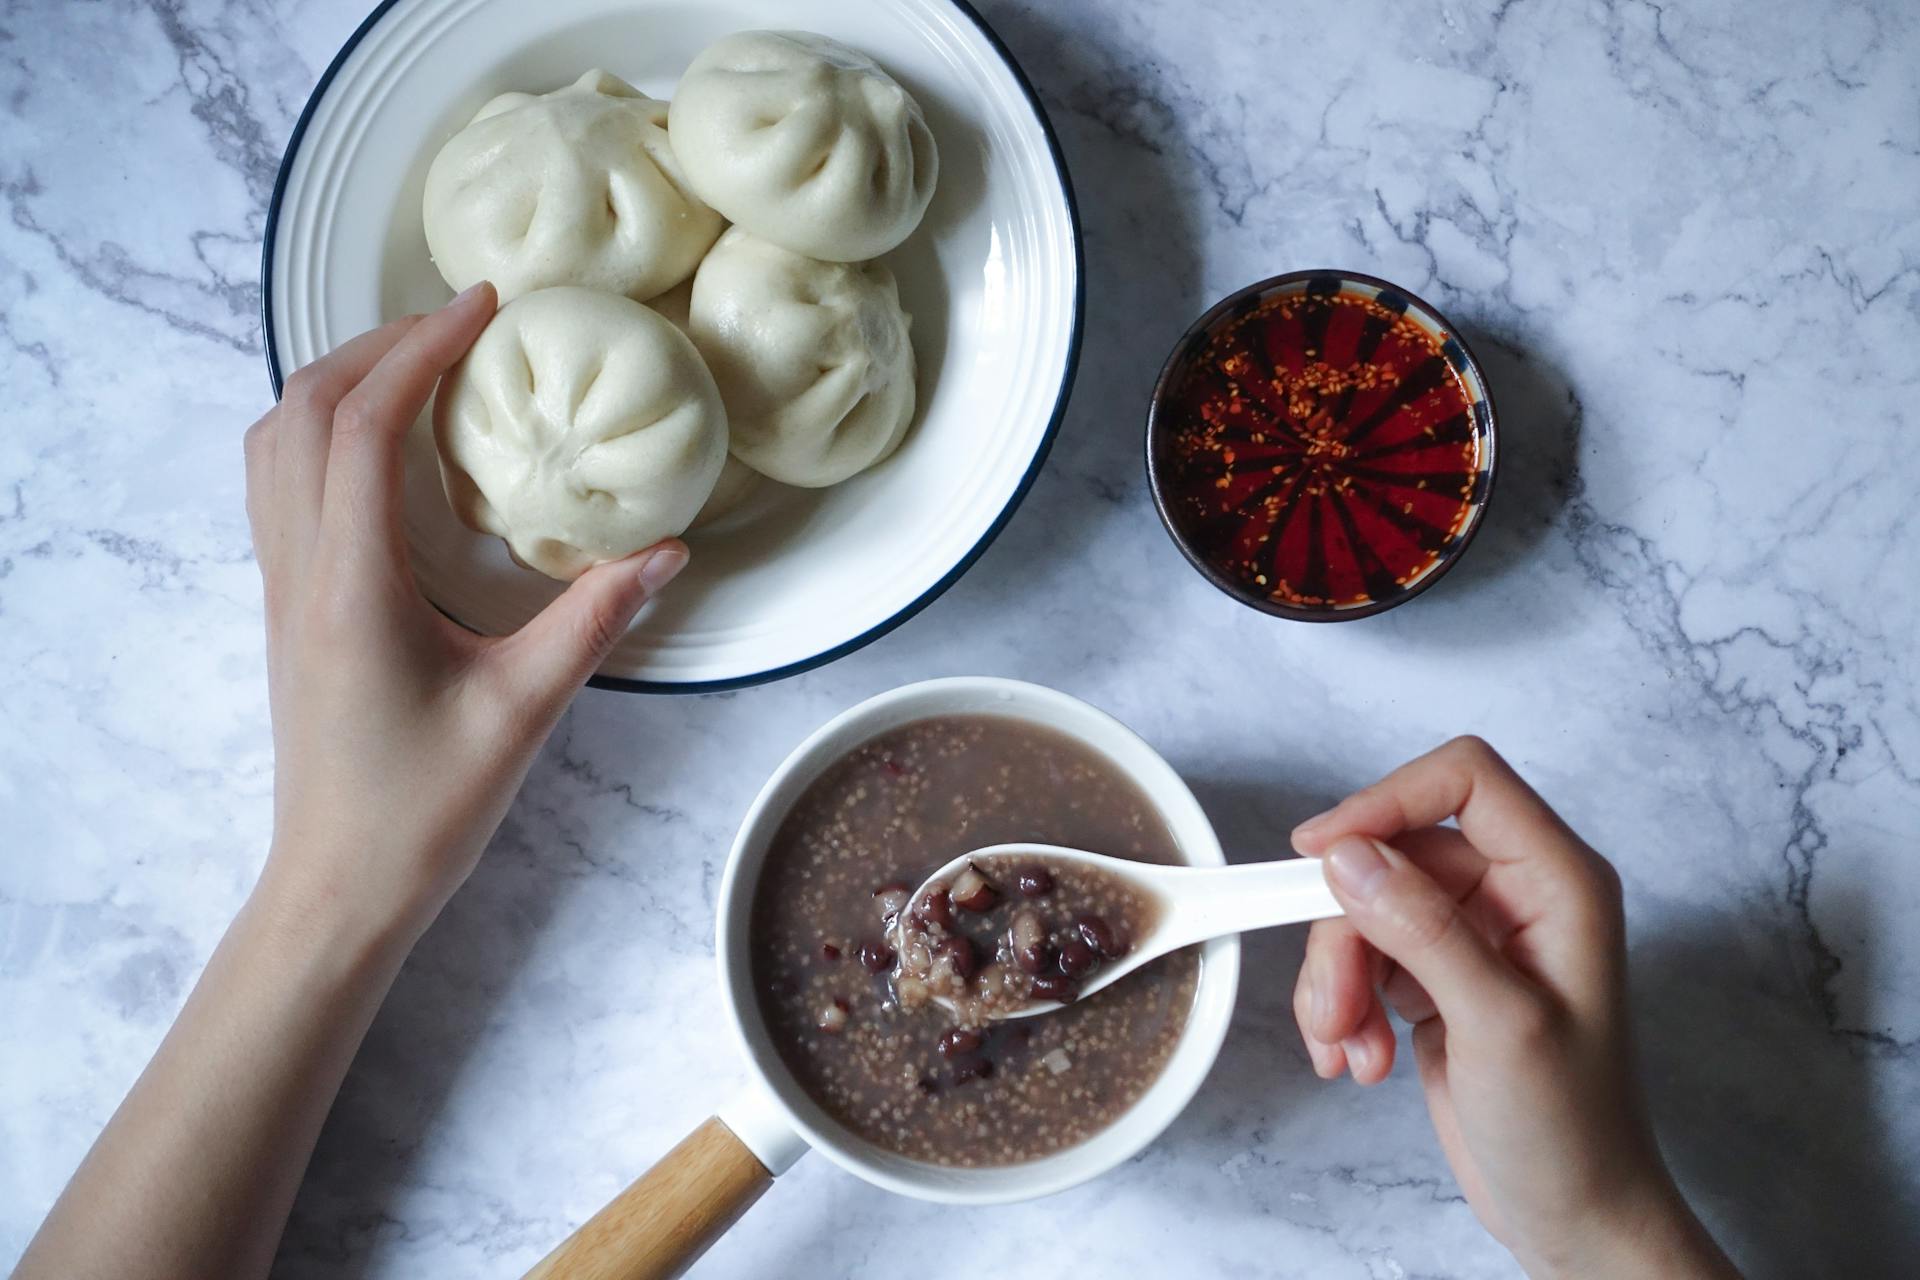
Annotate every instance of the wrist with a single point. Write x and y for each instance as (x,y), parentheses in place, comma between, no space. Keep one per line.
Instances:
(318,917)
(1650,1235)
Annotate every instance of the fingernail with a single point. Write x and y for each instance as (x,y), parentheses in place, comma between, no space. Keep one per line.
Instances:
(1359,1055)
(1320,1008)
(1356,867)
(662,567)
(467,293)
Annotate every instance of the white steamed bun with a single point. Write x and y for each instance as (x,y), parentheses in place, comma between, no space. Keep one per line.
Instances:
(737,480)
(581,427)
(804,142)
(736,484)
(675,303)
(812,358)
(575,187)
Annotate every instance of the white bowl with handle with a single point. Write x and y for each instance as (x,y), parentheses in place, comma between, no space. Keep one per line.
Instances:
(665,1220)
(992,280)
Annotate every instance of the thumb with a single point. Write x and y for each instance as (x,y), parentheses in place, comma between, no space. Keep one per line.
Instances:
(1405,913)
(554,653)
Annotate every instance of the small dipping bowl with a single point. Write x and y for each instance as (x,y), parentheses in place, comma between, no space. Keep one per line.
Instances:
(1321,445)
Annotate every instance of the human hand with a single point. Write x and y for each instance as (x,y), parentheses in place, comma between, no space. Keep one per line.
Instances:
(1503,943)
(399,737)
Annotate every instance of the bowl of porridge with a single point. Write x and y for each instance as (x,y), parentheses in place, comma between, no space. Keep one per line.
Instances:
(909,1095)
(924,1097)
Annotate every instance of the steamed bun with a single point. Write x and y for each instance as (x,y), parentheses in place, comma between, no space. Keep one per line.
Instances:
(804,142)
(574,187)
(812,358)
(581,427)
(736,484)
(737,481)
(675,303)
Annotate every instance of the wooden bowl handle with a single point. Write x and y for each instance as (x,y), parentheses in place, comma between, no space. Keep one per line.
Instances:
(659,1226)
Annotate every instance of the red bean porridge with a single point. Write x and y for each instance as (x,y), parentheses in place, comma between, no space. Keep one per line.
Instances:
(1006,933)
(906,1073)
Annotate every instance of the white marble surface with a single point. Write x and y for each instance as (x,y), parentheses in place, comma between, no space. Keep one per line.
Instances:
(1684,239)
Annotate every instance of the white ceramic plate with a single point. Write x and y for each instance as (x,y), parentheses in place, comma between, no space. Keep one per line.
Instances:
(992,279)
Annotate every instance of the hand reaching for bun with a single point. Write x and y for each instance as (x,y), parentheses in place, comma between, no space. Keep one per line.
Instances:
(581,427)
(399,737)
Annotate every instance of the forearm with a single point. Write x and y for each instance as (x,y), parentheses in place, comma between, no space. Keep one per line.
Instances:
(196,1172)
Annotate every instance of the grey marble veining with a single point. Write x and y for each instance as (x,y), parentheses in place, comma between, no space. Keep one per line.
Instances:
(1683,238)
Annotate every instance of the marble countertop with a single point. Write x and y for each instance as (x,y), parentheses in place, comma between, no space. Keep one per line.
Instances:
(1684,239)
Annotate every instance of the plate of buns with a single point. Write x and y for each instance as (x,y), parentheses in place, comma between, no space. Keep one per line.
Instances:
(799,283)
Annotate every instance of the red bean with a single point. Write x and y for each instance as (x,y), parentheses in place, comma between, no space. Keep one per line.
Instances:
(1035,960)
(1103,937)
(960,954)
(1027,939)
(973,892)
(833,1017)
(876,957)
(1077,958)
(1033,882)
(829,953)
(958,1041)
(974,1067)
(935,907)
(1055,986)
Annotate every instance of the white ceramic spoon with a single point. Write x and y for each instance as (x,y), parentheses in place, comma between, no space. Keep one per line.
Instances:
(1195,903)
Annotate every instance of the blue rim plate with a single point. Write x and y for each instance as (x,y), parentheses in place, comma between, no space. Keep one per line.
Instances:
(961,276)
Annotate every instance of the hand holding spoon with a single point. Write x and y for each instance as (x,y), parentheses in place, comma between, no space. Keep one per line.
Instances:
(1189,905)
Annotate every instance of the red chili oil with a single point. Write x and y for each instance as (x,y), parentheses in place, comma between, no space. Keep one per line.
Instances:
(1322,448)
